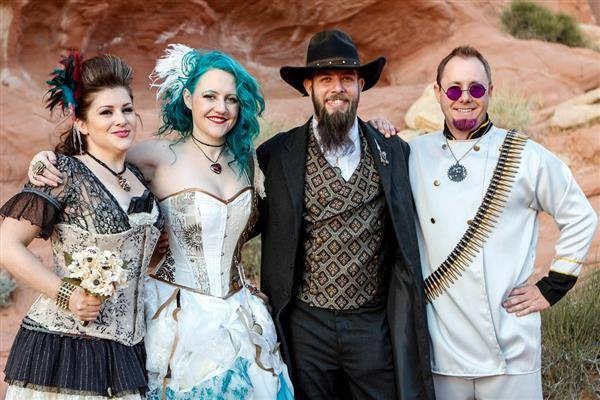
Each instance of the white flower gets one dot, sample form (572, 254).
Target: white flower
(99, 272)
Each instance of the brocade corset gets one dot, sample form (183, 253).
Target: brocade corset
(205, 237)
(122, 315)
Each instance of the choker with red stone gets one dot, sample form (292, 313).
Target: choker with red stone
(215, 165)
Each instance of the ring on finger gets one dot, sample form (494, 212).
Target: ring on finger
(38, 167)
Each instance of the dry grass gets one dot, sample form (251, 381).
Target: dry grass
(510, 109)
(571, 343)
(269, 129)
(251, 259)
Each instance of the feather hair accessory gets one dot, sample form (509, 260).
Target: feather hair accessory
(65, 84)
(171, 71)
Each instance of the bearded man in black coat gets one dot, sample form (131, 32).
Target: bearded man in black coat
(340, 260)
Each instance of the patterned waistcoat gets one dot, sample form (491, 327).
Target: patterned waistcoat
(343, 234)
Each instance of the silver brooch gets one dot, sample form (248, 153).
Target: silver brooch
(383, 157)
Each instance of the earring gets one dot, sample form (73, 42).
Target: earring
(77, 143)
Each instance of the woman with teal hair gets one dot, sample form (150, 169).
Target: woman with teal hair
(209, 333)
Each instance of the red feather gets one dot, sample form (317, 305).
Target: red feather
(77, 61)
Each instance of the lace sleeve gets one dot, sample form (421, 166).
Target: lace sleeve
(41, 206)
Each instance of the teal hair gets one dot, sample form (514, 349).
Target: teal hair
(176, 116)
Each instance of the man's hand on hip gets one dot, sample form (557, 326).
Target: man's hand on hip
(525, 299)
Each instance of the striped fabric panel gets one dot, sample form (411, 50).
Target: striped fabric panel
(42, 359)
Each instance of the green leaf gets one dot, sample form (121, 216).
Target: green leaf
(68, 258)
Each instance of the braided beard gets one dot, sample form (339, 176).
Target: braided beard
(334, 128)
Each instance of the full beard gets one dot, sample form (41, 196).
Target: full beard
(334, 127)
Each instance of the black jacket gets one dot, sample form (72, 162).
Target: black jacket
(282, 160)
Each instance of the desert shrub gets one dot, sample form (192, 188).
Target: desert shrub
(571, 345)
(7, 285)
(510, 109)
(269, 129)
(251, 259)
(526, 20)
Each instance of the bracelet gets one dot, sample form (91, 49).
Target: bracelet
(64, 294)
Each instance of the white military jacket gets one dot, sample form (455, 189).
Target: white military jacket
(472, 334)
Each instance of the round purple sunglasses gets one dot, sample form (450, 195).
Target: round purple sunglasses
(476, 91)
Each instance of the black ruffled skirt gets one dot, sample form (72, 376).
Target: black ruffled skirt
(54, 362)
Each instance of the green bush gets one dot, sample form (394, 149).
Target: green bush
(526, 20)
(571, 344)
(510, 109)
(7, 285)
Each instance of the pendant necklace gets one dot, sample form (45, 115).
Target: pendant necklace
(122, 181)
(457, 172)
(215, 165)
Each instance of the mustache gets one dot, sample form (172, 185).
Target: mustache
(334, 97)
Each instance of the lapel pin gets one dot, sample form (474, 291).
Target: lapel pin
(383, 158)
(382, 155)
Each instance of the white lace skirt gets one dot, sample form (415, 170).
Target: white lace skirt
(210, 347)
(19, 393)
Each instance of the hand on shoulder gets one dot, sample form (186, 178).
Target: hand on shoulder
(384, 126)
(43, 169)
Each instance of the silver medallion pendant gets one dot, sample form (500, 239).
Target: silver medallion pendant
(123, 183)
(457, 172)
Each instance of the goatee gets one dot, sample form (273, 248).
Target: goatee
(334, 127)
(464, 124)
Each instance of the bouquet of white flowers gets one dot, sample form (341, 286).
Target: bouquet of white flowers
(99, 272)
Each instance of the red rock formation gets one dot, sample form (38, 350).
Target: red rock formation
(266, 34)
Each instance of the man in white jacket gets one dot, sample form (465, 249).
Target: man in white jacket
(478, 191)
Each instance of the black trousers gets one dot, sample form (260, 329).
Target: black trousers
(340, 354)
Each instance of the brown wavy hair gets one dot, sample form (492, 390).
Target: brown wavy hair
(97, 73)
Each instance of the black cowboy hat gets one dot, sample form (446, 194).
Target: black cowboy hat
(332, 49)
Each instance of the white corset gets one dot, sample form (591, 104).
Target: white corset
(204, 231)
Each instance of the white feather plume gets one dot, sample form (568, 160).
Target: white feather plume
(168, 74)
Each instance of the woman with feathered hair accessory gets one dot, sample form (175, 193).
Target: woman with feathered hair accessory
(65, 87)
(210, 334)
(83, 337)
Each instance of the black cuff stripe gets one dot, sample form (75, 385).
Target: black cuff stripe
(555, 286)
